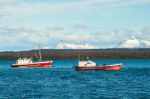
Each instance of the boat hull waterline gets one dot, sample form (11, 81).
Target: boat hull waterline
(106, 67)
(35, 64)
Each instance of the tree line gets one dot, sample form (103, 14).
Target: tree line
(74, 54)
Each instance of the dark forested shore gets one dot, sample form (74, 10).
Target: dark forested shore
(74, 53)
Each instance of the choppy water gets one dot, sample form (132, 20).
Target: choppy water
(63, 82)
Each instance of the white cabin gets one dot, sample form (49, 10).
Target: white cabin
(87, 63)
(23, 61)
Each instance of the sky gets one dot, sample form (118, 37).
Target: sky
(101, 23)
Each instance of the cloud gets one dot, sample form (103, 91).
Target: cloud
(3, 13)
(1, 16)
(131, 2)
(25, 37)
(2, 2)
(78, 24)
(22, 36)
(56, 27)
(24, 9)
(17, 35)
(18, 28)
(3, 9)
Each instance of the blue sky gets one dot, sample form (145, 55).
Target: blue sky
(102, 23)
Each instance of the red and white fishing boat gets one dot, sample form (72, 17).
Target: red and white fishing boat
(27, 62)
(90, 65)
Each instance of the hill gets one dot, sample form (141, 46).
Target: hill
(143, 53)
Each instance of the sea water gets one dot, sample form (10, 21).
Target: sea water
(63, 82)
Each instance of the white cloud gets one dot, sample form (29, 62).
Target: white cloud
(2, 2)
(131, 2)
(22, 36)
(27, 36)
(26, 9)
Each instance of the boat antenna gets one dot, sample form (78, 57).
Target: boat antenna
(36, 56)
(40, 57)
(79, 57)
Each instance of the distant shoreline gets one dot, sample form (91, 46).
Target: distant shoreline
(142, 53)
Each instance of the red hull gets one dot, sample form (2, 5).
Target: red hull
(35, 64)
(113, 67)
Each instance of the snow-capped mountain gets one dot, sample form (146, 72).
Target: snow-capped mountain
(63, 45)
(133, 42)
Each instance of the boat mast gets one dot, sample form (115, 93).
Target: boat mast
(18, 54)
(40, 57)
(87, 58)
(79, 57)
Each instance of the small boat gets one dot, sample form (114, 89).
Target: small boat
(27, 62)
(90, 65)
